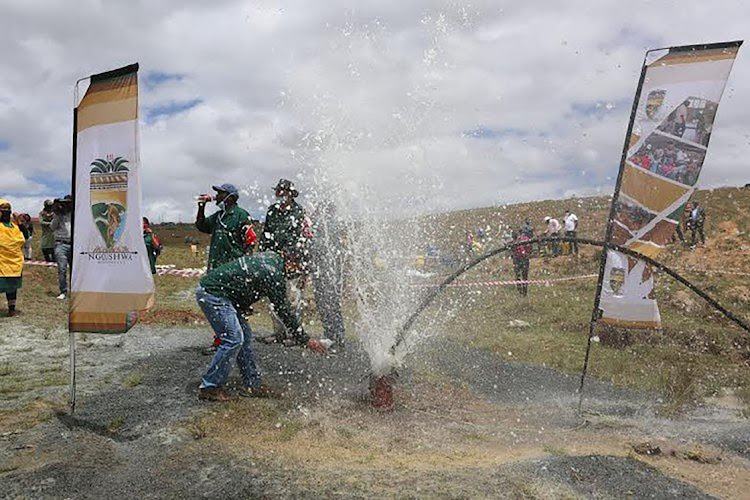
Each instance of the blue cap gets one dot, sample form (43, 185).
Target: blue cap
(227, 188)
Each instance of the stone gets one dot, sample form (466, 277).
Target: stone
(518, 323)
(646, 449)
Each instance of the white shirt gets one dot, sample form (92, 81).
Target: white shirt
(553, 227)
(570, 222)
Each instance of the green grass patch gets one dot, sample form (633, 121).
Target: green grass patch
(133, 379)
(7, 369)
(116, 423)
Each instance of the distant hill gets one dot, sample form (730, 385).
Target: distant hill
(727, 212)
(723, 205)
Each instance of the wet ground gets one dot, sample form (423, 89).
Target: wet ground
(466, 424)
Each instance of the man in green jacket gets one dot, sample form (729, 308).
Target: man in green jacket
(283, 233)
(224, 295)
(228, 229)
(282, 230)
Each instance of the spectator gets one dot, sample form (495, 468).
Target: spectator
(224, 294)
(571, 228)
(48, 237)
(683, 222)
(153, 245)
(469, 242)
(228, 229)
(63, 209)
(11, 257)
(695, 223)
(527, 228)
(521, 255)
(27, 229)
(553, 231)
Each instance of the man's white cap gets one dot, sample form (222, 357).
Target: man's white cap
(546, 219)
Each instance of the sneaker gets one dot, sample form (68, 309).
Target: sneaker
(61, 297)
(260, 392)
(209, 351)
(13, 312)
(214, 394)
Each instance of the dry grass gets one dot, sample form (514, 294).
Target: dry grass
(133, 379)
(438, 429)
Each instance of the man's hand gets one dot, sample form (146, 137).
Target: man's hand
(316, 346)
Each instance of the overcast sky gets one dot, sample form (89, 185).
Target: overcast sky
(469, 103)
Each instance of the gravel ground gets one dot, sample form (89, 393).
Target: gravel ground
(608, 477)
(134, 440)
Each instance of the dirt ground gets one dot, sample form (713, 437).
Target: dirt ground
(467, 424)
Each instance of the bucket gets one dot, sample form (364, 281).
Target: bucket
(381, 392)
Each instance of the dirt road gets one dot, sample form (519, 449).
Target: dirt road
(467, 424)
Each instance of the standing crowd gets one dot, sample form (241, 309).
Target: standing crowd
(16, 235)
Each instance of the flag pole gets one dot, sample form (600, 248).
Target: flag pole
(71, 333)
(596, 312)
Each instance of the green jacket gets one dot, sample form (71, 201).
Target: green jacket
(227, 229)
(48, 236)
(282, 231)
(246, 280)
(148, 238)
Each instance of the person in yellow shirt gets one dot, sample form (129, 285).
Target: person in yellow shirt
(11, 256)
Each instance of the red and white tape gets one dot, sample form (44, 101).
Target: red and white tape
(183, 273)
(161, 271)
(39, 263)
(195, 272)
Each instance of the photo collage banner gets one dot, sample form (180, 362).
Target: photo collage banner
(671, 129)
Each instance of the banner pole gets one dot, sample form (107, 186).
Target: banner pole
(72, 395)
(71, 334)
(596, 312)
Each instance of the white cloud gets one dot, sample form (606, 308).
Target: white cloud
(15, 182)
(380, 93)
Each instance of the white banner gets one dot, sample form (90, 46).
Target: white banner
(111, 278)
(675, 111)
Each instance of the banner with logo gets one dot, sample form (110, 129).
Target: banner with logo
(111, 279)
(673, 118)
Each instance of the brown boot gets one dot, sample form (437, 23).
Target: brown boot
(214, 394)
(260, 392)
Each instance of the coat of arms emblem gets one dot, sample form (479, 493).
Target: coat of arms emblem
(109, 195)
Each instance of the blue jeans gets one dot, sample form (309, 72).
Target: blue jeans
(63, 256)
(236, 338)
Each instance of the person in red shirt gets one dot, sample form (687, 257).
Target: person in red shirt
(521, 259)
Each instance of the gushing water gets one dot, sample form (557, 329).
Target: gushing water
(360, 133)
